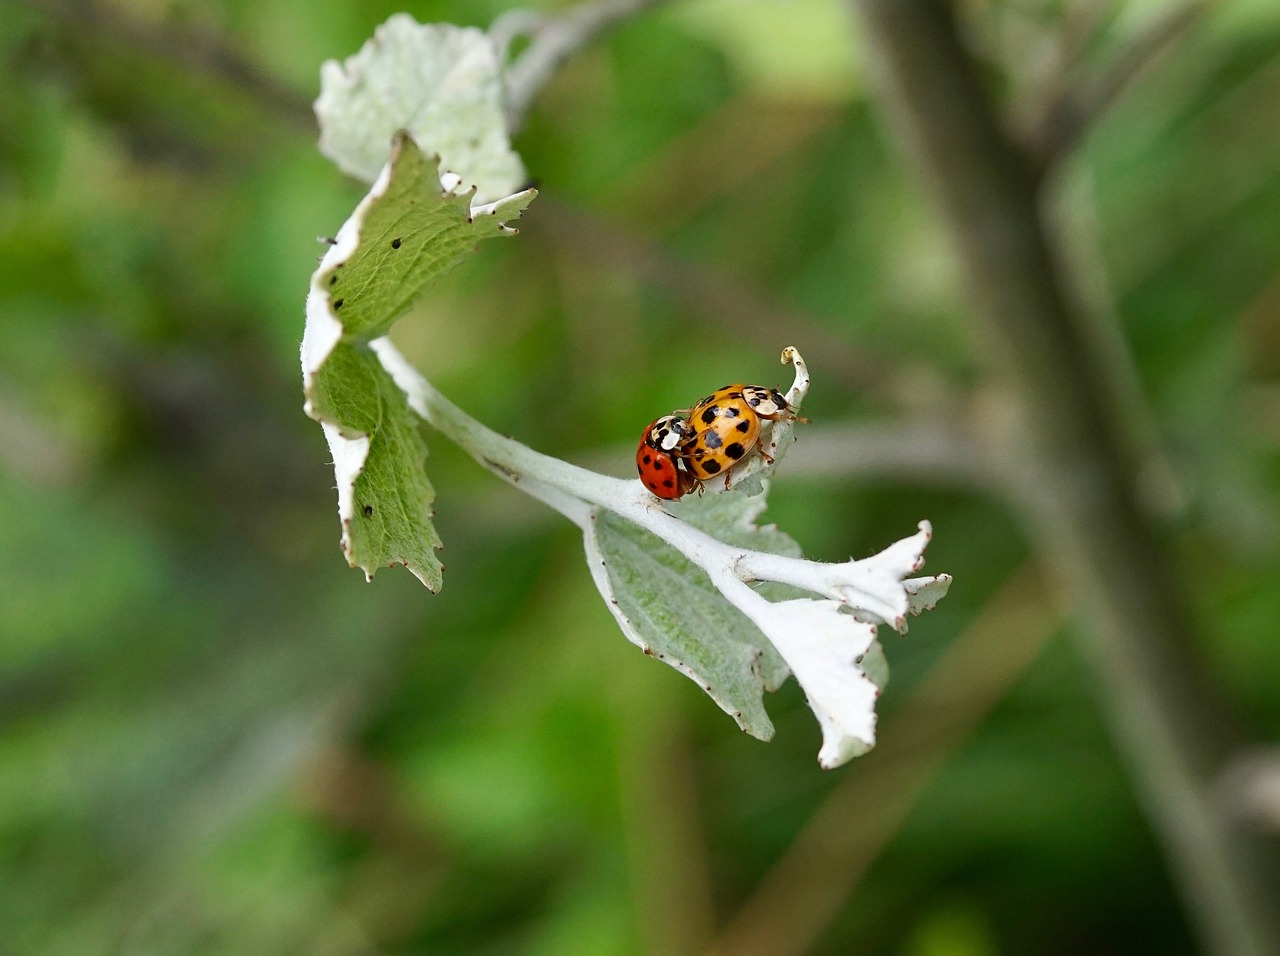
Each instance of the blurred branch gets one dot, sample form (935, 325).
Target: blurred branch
(715, 160)
(798, 898)
(937, 454)
(185, 49)
(663, 834)
(32, 450)
(1082, 504)
(1084, 96)
(1251, 787)
(725, 300)
(552, 41)
(941, 455)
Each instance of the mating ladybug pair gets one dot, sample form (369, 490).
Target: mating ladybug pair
(678, 452)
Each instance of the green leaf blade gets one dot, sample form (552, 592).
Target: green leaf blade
(411, 233)
(668, 606)
(403, 236)
(385, 502)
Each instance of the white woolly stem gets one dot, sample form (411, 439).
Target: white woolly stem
(575, 492)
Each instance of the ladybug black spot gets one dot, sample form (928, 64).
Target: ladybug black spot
(713, 439)
(709, 416)
(732, 412)
(668, 483)
(711, 467)
(735, 451)
(735, 394)
(744, 427)
(754, 400)
(648, 459)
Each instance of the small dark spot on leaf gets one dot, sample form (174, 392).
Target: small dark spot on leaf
(337, 303)
(395, 243)
(368, 511)
(333, 278)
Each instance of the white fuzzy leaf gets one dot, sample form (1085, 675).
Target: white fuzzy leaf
(441, 83)
(823, 644)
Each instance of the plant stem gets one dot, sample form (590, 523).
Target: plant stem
(1082, 504)
(554, 41)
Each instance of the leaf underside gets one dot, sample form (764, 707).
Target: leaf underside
(670, 608)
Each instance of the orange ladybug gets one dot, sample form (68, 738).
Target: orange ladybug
(726, 426)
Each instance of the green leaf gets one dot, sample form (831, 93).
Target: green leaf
(403, 236)
(411, 233)
(387, 520)
(669, 608)
(441, 83)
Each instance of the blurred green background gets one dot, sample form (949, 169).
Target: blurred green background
(216, 738)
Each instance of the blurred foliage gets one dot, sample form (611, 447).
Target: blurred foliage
(215, 738)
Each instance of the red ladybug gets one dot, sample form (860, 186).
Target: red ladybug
(659, 459)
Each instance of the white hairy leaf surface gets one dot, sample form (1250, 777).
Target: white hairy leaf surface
(439, 82)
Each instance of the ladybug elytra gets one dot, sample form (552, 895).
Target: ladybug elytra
(659, 457)
(726, 427)
(678, 453)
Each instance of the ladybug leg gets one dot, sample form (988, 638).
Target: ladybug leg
(764, 454)
(783, 416)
